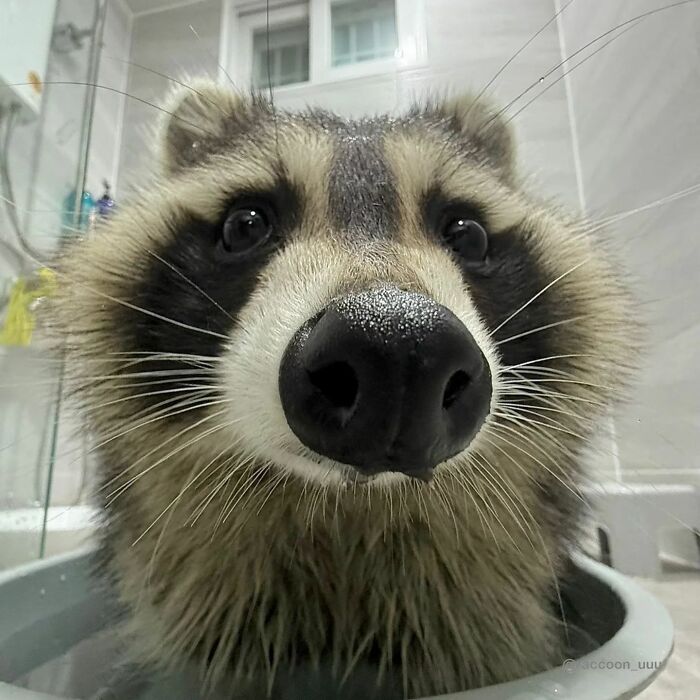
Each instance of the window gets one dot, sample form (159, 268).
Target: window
(363, 30)
(286, 52)
(251, 58)
(318, 42)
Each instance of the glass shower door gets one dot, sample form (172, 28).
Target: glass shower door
(44, 164)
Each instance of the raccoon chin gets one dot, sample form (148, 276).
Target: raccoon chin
(314, 468)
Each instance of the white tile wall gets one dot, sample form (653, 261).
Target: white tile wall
(163, 42)
(637, 107)
(108, 117)
(470, 41)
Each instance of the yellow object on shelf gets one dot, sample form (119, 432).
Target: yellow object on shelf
(19, 319)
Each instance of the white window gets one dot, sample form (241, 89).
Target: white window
(255, 59)
(316, 42)
(363, 30)
(282, 57)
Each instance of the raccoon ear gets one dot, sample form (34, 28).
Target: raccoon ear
(198, 118)
(486, 130)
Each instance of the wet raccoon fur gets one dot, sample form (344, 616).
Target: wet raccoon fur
(235, 546)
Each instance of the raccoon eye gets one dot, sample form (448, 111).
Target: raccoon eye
(246, 228)
(467, 238)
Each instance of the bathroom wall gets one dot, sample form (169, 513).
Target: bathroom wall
(61, 136)
(471, 41)
(110, 103)
(162, 41)
(635, 108)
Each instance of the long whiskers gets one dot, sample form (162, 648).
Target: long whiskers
(192, 284)
(545, 327)
(537, 295)
(498, 73)
(113, 495)
(107, 88)
(583, 48)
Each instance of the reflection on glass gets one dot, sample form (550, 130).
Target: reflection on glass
(363, 30)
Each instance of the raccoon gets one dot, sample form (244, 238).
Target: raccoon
(341, 375)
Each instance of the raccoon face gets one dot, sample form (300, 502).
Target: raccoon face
(373, 298)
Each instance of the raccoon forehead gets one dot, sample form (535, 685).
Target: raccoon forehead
(430, 164)
(364, 177)
(384, 171)
(252, 163)
(364, 170)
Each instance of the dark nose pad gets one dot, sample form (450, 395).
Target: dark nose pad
(385, 380)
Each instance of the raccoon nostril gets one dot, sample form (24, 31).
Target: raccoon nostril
(455, 386)
(337, 382)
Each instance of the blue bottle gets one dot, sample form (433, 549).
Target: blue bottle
(70, 205)
(105, 204)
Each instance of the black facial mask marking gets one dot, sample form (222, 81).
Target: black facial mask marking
(192, 284)
(507, 278)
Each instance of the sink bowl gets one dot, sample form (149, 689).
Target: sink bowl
(51, 607)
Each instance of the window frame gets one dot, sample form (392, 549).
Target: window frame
(240, 22)
(241, 18)
(276, 53)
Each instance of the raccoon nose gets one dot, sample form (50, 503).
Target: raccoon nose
(385, 380)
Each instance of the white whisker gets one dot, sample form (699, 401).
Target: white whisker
(540, 328)
(537, 295)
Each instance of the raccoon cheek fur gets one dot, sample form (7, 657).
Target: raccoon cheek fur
(341, 374)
